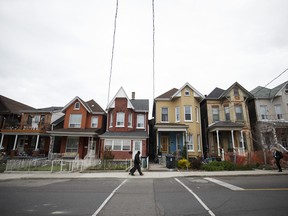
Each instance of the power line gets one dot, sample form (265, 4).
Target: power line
(153, 15)
(113, 46)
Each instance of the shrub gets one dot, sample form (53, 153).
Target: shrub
(218, 166)
(183, 163)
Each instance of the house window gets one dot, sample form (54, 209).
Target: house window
(236, 91)
(187, 92)
(94, 122)
(239, 112)
(278, 111)
(75, 121)
(164, 114)
(263, 112)
(117, 145)
(215, 113)
(77, 106)
(140, 121)
(188, 113)
(72, 144)
(120, 119)
(197, 114)
(111, 120)
(130, 120)
(227, 113)
(199, 143)
(177, 114)
(190, 144)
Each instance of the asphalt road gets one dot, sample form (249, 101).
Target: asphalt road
(258, 195)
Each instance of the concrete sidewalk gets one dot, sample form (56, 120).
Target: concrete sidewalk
(123, 175)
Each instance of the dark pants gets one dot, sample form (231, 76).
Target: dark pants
(278, 164)
(136, 166)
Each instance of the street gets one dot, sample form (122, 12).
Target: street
(245, 195)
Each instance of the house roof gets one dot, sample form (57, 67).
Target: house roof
(8, 105)
(130, 134)
(174, 92)
(266, 93)
(135, 104)
(91, 106)
(218, 93)
(75, 132)
(225, 125)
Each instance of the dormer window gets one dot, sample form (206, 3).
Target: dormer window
(187, 92)
(236, 91)
(77, 106)
(120, 119)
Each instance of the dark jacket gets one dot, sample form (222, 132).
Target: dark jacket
(137, 159)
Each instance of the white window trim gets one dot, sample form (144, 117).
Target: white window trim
(197, 114)
(190, 143)
(141, 127)
(122, 124)
(75, 106)
(94, 117)
(167, 114)
(111, 120)
(122, 142)
(75, 124)
(177, 109)
(199, 142)
(130, 120)
(190, 113)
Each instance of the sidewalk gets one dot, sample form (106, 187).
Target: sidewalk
(122, 174)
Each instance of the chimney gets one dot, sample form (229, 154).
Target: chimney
(133, 95)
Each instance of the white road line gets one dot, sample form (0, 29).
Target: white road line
(195, 195)
(224, 184)
(108, 198)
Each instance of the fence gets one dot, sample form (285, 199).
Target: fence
(62, 165)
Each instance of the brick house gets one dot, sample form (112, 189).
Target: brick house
(82, 122)
(127, 126)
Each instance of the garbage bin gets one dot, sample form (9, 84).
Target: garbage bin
(144, 162)
(170, 161)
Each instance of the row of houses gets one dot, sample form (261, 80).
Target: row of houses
(184, 123)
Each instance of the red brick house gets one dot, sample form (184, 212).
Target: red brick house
(83, 123)
(127, 126)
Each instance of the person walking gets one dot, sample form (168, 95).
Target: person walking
(278, 156)
(137, 163)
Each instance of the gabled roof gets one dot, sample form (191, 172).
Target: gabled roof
(218, 93)
(140, 105)
(173, 93)
(266, 93)
(91, 106)
(120, 94)
(8, 105)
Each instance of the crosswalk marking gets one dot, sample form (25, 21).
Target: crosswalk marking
(224, 184)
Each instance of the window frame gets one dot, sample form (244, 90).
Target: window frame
(238, 113)
(263, 112)
(120, 144)
(76, 124)
(77, 106)
(186, 114)
(190, 143)
(177, 114)
(94, 124)
(214, 114)
(120, 119)
(140, 121)
(227, 114)
(278, 111)
(163, 115)
(71, 143)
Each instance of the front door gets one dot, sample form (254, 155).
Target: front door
(137, 146)
(91, 148)
(164, 144)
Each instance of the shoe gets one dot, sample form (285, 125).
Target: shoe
(142, 174)
(280, 171)
(132, 174)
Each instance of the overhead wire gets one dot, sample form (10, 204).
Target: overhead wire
(112, 54)
(153, 49)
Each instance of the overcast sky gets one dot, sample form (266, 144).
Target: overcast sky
(54, 50)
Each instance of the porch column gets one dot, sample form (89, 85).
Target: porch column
(242, 139)
(233, 142)
(218, 145)
(37, 142)
(51, 146)
(15, 142)
(157, 143)
(1, 142)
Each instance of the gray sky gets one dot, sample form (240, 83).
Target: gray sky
(54, 50)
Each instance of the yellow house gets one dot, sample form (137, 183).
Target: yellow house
(225, 122)
(177, 122)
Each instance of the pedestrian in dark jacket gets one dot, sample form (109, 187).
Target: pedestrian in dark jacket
(137, 163)
(278, 156)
